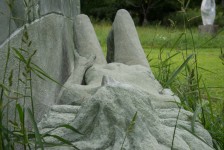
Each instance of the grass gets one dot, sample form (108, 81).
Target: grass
(193, 63)
(153, 38)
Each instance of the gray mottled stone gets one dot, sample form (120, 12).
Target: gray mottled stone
(52, 37)
(4, 22)
(135, 75)
(110, 98)
(125, 74)
(18, 12)
(37, 9)
(56, 116)
(108, 115)
(76, 7)
(127, 47)
(68, 8)
(97, 98)
(87, 43)
(208, 11)
(72, 91)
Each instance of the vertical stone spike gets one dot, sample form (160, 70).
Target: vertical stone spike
(128, 49)
(86, 40)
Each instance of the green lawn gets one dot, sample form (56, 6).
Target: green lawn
(153, 38)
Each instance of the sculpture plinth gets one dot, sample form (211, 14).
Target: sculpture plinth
(207, 29)
(208, 17)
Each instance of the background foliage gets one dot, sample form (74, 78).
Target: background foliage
(149, 11)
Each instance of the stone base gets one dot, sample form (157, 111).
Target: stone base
(208, 29)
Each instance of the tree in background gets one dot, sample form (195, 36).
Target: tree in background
(151, 9)
(145, 11)
(142, 8)
(101, 9)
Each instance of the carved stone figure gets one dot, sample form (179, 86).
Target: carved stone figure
(99, 98)
(208, 12)
(102, 108)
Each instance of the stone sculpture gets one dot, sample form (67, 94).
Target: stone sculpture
(102, 104)
(35, 10)
(208, 11)
(100, 98)
(50, 33)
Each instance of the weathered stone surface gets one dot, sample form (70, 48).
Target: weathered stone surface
(135, 75)
(56, 116)
(37, 9)
(105, 118)
(208, 12)
(127, 47)
(4, 22)
(110, 98)
(73, 92)
(68, 8)
(52, 37)
(100, 99)
(19, 12)
(86, 40)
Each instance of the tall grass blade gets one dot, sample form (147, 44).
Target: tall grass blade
(178, 70)
(63, 126)
(176, 42)
(29, 59)
(216, 145)
(210, 102)
(36, 130)
(21, 113)
(175, 128)
(22, 124)
(206, 70)
(130, 128)
(170, 57)
(19, 55)
(39, 71)
(195, 135)
(62, 140)
(4, 87)
(10, 78)
(196, 113)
